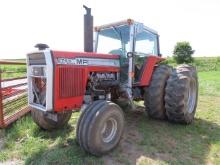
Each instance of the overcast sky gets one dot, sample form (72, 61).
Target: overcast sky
(59, 23)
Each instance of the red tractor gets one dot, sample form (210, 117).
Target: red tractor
(123, 62)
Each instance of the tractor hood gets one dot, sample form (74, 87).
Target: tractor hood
(57, 79)
(85, 59)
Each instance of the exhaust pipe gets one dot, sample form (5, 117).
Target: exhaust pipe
(88, 30)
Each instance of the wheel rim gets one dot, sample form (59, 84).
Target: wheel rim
(109, 130)
(191, 96)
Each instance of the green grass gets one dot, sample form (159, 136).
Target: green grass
(160, 142)
(198, 143)
(207, 63)
(12, 71)
(209, 83)
(27, 142)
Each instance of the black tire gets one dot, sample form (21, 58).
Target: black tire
(182, 94)
(81, 123)
(100, 118)
(78, 124)
(40, 118)
(155, 92)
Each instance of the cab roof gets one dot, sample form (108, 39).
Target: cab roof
(121, 23)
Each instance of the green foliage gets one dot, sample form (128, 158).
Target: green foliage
(13, 71)
(201, 63)
(207, 63)
(183, 52)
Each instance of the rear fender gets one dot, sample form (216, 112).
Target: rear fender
(150, 63)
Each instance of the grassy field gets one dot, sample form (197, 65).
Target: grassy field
(202, 64)
(145, 141)
(12, 71)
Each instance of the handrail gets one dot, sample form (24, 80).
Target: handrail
(12, 62)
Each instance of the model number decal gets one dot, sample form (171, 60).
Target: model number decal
(72, 61)
(88, 61)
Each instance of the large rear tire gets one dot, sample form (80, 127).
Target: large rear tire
(154, 93)
(41, 119)
(182, 94)
(100, 128)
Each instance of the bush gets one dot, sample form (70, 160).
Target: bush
(183, 53)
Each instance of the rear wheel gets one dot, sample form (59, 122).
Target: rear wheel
(100, 128)
(41, 119)
(154, 93)
(181, 94)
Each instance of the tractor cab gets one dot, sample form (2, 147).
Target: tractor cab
(124, 38)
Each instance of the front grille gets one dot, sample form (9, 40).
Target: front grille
(39, 91)
(71, 82)
(36, 59)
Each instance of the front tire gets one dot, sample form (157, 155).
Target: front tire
(182, 94)
(41, 119)
(101, 127)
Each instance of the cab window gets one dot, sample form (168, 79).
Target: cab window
(146, 43)
(114, 39)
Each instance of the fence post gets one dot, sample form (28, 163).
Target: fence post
(1, 102)
(2, 130)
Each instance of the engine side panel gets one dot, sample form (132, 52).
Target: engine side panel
(72, 71)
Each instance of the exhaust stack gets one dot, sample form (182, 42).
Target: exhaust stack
(88, 30)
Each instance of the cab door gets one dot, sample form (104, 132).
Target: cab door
(146, 45)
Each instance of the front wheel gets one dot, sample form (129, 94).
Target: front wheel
(182, 94)
(41, 119)
(100, 127)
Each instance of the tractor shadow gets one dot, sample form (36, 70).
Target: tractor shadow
(148, 141)
(145, 141)
(61, 133)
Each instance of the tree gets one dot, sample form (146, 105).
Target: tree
(183, 52)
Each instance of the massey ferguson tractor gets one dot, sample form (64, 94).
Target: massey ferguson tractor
(122, 62)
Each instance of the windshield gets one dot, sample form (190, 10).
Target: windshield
(116, 40)
(113, 40)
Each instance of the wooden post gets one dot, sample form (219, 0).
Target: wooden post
(1, 102)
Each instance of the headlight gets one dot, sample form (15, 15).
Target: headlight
(39, 71)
